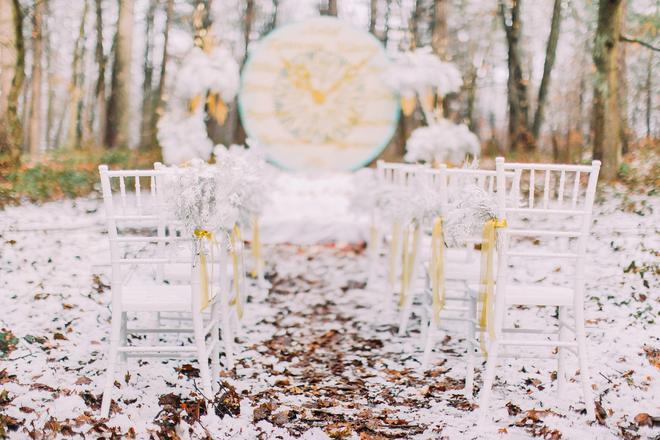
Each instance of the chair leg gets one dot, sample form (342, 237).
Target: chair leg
(585, 377)
(374, 249)
(228, 339)
(215, 340)
(561, 354)
(202, 358)
(489, 378)
(404, 316)
(469, 373)
(115, 337)
(431, 332)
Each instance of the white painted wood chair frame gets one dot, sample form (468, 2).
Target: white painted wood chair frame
(568, 199)
(387, 173)
(230, 324)
(138, 297)
(460, 303)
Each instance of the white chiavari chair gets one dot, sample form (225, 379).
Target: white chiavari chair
(387, 173)
(461, 267)
(143, 251)
(229, 302)
(548, 211)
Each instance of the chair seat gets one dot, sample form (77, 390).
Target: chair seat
(534, 295)
(156, 298)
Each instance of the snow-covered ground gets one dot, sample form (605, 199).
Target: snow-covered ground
(319, 356)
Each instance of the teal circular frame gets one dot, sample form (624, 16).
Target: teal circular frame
(374, 152)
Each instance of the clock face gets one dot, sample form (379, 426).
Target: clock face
(313, 95)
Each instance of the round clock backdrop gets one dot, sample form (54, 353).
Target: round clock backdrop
(313, 95)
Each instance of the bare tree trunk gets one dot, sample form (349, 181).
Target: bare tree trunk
(439, 34)
(550, 52)
(146, 136)
(471, 86)
(273, 19)
(119, 115)
(331, 9)
(159, 104)
(7, 52)
(11, 134)
(248, 19)
(52, 81)
(388, 14)
(414, 24)
(76, 88)
(516, 85)
(99, 56)
(649, 95)
(34, 137)
(622, 90)
(373, 16)
(606, 124)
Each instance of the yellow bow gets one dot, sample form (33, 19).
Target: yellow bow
(437, 269)
(203, 234)
(394, 250)
(256, 248)
(408, 261)
(487, 282)
(235, 237)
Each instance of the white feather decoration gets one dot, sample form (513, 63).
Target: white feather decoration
(420, 71)
(442, 142)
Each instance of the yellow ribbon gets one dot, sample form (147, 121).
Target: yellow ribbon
(437, 269)
(203, 234)
(236, 300)
(408, 104)
(487, 282)
(256, 248)
(394, 250)
(408, 261)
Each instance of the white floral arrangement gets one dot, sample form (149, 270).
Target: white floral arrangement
(421, 71)
(182, 129)
(469, 208)
(200, 197)
(443, 141)
(249, 177)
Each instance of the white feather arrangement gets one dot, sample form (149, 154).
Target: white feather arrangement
(470, 207)
(182, 130)
(442, 142)
(197, 197)
(420, 71)
(250, 179)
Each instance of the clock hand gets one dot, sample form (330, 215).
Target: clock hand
(349, 73)
(301, 79)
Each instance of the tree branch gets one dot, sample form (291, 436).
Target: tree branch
(640, 42)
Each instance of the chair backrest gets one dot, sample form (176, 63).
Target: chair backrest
(449, 181)
(398, 173)
(548, 209)
(135, 212)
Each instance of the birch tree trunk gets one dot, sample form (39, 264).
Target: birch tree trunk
(373, 16)
(119, 114)
(159, 104)
(34, 134)
(551, 50)
(146, 136)
(76, 87)
(606, 123)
